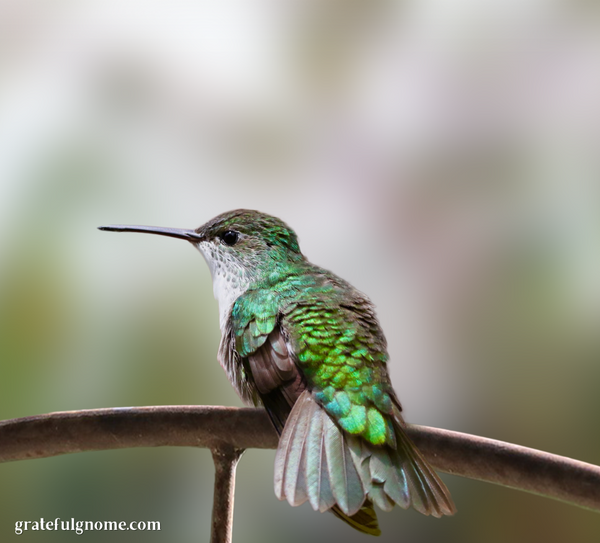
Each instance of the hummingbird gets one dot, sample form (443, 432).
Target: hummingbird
(307, 346)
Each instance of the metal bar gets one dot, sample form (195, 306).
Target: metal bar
(226, 459)
(464, 455)
(65, 432)
(514, 466)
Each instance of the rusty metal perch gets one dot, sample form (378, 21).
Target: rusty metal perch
(228, 431)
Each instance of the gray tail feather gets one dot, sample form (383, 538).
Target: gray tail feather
(316, 461)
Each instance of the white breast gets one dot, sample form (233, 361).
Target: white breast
(230, 279)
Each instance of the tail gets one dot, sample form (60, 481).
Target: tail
(335, 471)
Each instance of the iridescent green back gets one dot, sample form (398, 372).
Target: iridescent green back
(340, 348)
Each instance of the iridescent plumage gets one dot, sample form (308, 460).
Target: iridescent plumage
(307, 346)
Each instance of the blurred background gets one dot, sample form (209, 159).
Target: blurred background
(441, 155)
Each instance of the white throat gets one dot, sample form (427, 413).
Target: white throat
(230, 279)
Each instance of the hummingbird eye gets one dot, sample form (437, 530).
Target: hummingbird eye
(230, 237)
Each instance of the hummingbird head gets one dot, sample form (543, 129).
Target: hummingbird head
(250, 239)
(241, 247)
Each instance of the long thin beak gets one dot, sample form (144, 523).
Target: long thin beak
(181, 233)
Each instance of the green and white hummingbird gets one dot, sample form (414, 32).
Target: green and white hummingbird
(307, 346)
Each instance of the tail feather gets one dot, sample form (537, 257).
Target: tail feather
(318, 462)
(407, 478)
(319, 492)
(286, 464)
(364, 521)
(345, 480)
(438, 501)
(318, 486)
(380, 498)
(295, 480)
(313, 462)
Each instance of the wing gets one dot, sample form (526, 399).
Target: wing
(238, 375)
(278, 380)
(255, 355)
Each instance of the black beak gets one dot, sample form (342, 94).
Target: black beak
(181, 233)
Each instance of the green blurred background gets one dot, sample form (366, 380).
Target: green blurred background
(443, 156)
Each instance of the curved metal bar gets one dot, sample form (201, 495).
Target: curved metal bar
(460, 454)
